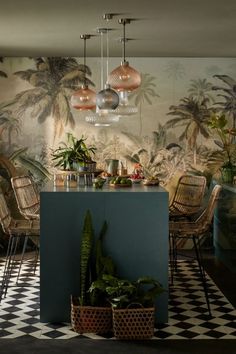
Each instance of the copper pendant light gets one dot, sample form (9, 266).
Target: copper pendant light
(124, 77)
(85, 98)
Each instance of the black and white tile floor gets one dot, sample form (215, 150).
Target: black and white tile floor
(188, 318)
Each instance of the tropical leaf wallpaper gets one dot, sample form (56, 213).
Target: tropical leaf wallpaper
(169, 133)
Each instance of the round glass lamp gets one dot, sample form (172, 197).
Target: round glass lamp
(107, 98)
(102, 118)
(125, 108)
(84, 99)
(124, 78)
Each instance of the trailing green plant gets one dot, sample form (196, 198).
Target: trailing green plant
(75, 151)
(123, 293)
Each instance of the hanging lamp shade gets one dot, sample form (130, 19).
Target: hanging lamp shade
(102, 118)
(125, 108)
(84, 98)
(124, 78)
(107, 98)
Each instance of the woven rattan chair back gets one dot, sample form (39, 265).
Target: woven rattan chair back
(195, 231)
(26, 196)
(188, 196)
(15, 229)
(5, 216)
(202, 223)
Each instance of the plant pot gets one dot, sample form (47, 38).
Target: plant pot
(227, 174)
(91, 166)
(90, 319)
(133, 323)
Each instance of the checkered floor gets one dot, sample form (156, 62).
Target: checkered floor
(188, 319)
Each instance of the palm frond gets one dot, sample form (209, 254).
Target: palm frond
(2, 74)
(35, 167)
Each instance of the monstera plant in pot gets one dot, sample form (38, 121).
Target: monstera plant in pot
(223, 160)
(74, 155)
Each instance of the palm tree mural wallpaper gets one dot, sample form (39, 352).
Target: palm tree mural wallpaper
(168, 134)
(144, 94)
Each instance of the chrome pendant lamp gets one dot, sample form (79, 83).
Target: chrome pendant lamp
(104, 117)
(124, 77)
(107, 98)
(85, 98)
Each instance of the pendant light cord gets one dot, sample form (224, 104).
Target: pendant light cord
(84, 61)
(124, 54)
(107, 54)
(102, 63)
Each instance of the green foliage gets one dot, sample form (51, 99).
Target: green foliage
(219, 125)
(93, 265)
(122, 293)
(85, 256)
(75, 151)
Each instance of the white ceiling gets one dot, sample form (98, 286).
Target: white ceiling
(165, 28)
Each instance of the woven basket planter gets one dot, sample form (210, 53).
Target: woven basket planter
(133, 323)
(90, 319)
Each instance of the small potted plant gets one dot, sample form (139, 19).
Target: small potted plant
(225, 158)
(132, 304)
(74, 155)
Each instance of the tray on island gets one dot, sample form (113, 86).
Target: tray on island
(120, 185)
(151, 183)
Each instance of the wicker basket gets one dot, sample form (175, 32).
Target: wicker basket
(133, 323)
(90, 319)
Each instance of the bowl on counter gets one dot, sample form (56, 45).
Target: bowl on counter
(136, 180)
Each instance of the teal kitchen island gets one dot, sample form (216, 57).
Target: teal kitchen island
(137, 240)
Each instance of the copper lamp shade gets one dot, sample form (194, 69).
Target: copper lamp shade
(84, 99)
(124, 78)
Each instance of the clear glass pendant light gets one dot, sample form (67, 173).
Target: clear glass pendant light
(84, 99)
(124, 77)
(104, 117)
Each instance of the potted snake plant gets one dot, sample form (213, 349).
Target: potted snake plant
(90, 312)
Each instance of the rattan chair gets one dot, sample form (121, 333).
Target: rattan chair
(14, 229)
(194, 230)
(27, 196)
(188, 197)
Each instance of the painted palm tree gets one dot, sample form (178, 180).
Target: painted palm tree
(175, 70)
(201, 89)
(2, 73)
(144, 94)
(9, 125)
(228, 93)
(53, 81)
(193, 116)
